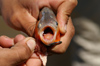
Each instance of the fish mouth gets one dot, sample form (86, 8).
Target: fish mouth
(48, 35)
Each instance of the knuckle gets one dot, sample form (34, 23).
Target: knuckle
(76, 2)
(14, 17)
(30, 29)
(73, 2)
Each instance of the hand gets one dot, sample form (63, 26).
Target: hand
(22, 53)
(23, 14)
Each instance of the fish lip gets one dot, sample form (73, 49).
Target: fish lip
(46, 42)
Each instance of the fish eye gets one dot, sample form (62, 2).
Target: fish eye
(39, 25)
(56, 23)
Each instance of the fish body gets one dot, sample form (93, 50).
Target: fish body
(47, 30)
(46, 33)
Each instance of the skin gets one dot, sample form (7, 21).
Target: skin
(23, 14)
(20, 54)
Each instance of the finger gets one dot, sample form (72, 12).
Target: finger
(31, 6)
(34, 61)
(66, 39)
(28, 23)
(18, 38)
(19, 53)
(63, 13)
(6, 42)
(24, 21)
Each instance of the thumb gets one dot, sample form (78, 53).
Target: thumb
(63, 13)
(19, 53)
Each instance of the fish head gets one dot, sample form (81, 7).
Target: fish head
(47, 28)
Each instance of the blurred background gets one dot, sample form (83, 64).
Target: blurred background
(84, 49)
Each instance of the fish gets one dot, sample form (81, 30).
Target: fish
(46, 33)
(47, 30)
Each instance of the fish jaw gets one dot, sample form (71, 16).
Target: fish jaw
(48, 34)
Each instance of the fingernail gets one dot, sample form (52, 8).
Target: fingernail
(31, 44)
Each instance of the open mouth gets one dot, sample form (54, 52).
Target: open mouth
(48, 33)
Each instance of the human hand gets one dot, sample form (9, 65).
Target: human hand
(21, 54)
(23, 14)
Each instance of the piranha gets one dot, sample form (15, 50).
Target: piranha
(47, 32)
